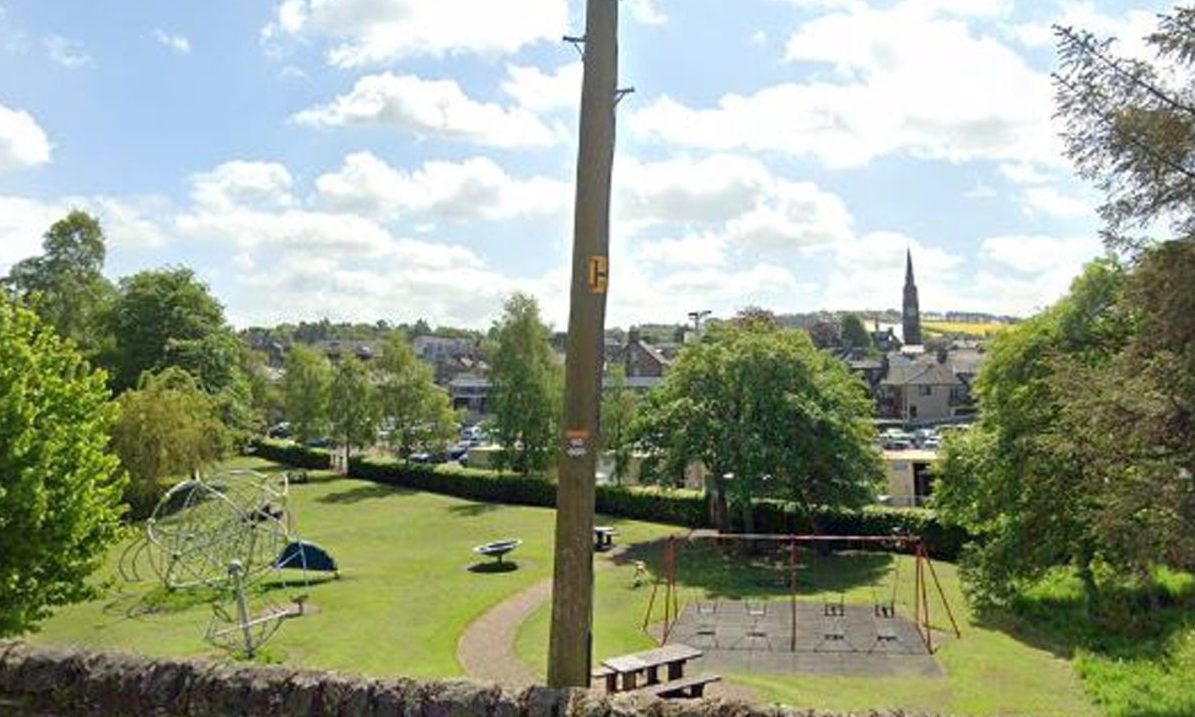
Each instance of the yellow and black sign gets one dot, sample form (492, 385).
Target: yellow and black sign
(599, 274)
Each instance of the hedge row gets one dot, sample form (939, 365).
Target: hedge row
(675, 507)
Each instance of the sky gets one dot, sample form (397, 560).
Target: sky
(402, 159)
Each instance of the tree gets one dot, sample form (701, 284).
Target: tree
(168, 318)
(354, 409)
(1014, 480)
(418, 412)
(64, 285)
(619, 409)
(307, 388)
(854, 333)
(168, 427)
(525, 394)
(1129, 126)
(768, 415)
(60, 486)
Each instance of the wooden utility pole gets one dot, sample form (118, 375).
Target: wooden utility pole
(572, 586)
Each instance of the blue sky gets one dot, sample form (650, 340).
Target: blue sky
(397, 159)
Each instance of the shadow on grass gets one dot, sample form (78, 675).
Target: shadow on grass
(506, 566)
(362, 492)
(734, 571)
(1128, 647)
(472, 510)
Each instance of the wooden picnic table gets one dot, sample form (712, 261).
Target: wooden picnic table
(649, 662)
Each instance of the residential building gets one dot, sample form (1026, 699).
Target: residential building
(909, 476)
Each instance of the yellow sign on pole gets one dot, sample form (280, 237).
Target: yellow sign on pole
(599, 272)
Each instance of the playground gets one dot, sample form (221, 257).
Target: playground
(410, 600)
(823, 636)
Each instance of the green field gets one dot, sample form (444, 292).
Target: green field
(951, 328)
(407, 594)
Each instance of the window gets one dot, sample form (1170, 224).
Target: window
(925, 390)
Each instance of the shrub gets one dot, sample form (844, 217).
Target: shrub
(662, 505)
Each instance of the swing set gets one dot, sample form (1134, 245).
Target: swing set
(666, 594)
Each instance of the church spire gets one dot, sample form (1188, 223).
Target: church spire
(911, 313)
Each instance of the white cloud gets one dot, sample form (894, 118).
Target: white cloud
(473, 189)
(431, 108)
(1038, 254)
(694, 250)
(364, 32)
(684, 189)
(1049, 200)
(892, 94)
(127, 222)
(65, 52)
(754, 210)
(246, 183)
(797, 215)
(541, 92)
(177, 44)
(868, 272)
(1130, 27)
(22, 223)
(23, 143)
(1023, 173)
(646, 12)
(296, 231)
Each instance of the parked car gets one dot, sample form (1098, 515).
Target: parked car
(319, 443)
(280, 430)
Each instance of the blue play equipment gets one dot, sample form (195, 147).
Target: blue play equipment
(305, 555)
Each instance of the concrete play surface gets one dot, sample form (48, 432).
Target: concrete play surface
(748, 636)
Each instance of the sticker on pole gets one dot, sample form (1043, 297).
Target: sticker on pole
(599, 274)
(576, 443)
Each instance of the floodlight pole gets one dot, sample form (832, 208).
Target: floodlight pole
(572, 586)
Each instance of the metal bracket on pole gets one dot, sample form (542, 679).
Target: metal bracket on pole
(620, 93)
(577, 41)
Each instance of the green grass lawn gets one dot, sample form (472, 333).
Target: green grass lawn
(404, 598)
(987, 671)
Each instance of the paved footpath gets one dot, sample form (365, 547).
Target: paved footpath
(486, 650)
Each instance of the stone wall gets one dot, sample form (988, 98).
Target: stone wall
(57, 682)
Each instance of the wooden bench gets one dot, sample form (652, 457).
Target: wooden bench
(689, 687)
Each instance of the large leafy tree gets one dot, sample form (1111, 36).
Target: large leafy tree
(418, 412)
(761, 406)
(854, 333)
(64, 285)
(60, 487)
(1130, 126)
(354, 410)
(307, 387)
(619, 409)
(525, 395)
(167, 318)
(168, 427)
(1016, 479)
